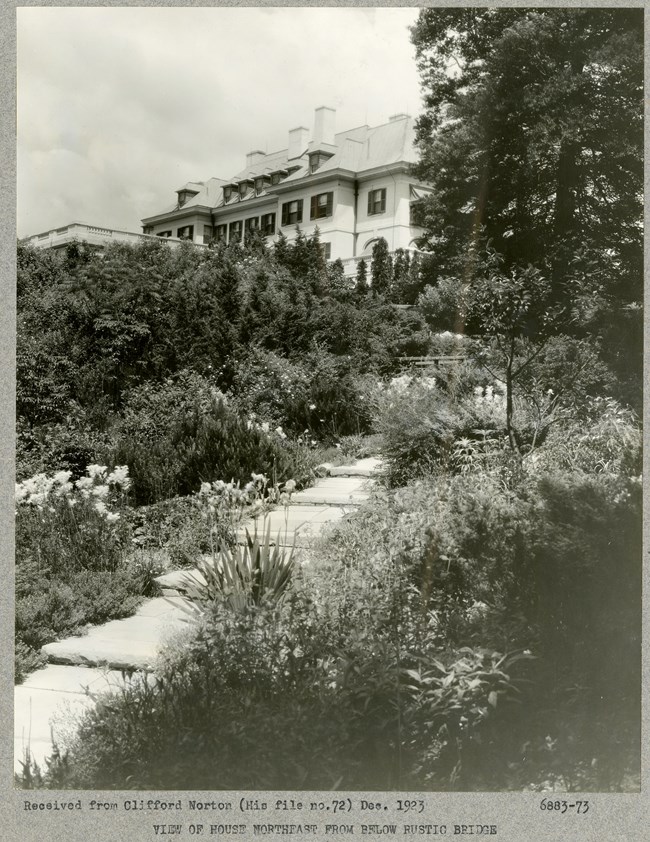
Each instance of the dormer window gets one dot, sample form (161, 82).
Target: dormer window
(316, 159)
(259, 185)
(278, 175)
(227, 193)
(185, 195)
(243, 189)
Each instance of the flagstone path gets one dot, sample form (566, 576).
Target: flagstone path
(80, 667)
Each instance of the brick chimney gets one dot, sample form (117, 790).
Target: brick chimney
(253, 157)
(298, 139)
(324, 120)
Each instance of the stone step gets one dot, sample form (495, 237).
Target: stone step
(370, 467)
(48, 703)
(334, 491)
(295, 519)
(129, 644)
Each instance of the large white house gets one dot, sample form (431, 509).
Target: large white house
(355, 186)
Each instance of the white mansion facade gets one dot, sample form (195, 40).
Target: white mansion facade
(355, 186)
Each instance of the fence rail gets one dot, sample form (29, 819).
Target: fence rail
(427, 362)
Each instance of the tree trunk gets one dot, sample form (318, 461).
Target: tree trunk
(509, 407)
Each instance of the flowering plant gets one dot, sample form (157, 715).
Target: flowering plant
(224, 505)
(66, 526)
(241, 572)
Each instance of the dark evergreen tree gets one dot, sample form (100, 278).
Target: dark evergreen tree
(361, 284)
(381, 268)
(281, 250)
(401, 264)
(532, 139)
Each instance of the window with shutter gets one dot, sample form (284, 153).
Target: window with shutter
(376, 201)
(268, 224)
(185, 233)
(292, 212)
(321, 205)
(234, 231)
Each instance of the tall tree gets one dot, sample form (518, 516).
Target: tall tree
(381, 268)
(532, 137)
(361, 283)
(533, 133)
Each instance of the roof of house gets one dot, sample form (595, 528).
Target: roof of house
(358, 149)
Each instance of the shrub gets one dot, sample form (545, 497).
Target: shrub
(443, 306)
(322, 396)
(422, 423)
(283, 707)
(170, 530)
(272, 389)
(47, 609)
(182, 433)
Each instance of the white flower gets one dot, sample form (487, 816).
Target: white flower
(290, 485)
(100, 491)
(111, 517)
(37, 499)
(100, 507)
(312, 406)
(96, 470)
(62, 477)
(265, 427)
(64, 489)
(20, 493)
(120, 476)
(205, 488)
(84, 483)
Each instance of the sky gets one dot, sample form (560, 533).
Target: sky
(120, 107)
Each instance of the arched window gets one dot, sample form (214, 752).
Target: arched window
(368, 247)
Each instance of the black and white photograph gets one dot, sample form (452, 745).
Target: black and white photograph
(328, 493)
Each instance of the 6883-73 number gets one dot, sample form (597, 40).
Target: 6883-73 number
(559, 805)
